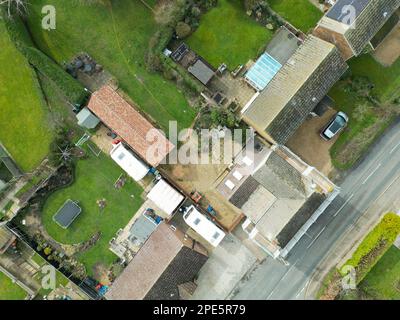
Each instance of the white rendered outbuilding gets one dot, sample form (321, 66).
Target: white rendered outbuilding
(134, 167)
(204, 227)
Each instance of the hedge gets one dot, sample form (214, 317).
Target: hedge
(71, 88)
(374, 245)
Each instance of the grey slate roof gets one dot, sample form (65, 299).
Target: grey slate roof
(243, 193)
(300, 218)
(280, 178)
(201, 71)
(369, 22)
(296, 90)
(184, 268)
(338, 13)
(371, 15)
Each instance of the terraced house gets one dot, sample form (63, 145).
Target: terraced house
(353, 25)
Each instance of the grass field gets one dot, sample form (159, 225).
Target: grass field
(227, 35)
(94, 180)
(383, 281)
(300, 13)
(117, 36)
(363, 130)
(10, 290)
(23, 112)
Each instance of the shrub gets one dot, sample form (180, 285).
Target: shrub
(183, 30)
(47, 251)
(374, 245)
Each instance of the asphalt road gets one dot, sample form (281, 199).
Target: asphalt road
(375, 182)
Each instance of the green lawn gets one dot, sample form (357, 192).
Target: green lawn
(23, 114)
(386, 79)
(227, 35)
(95, 178)
(117, 36)
(10, 290)
(383, 281)
(363, 130)
(300, 13)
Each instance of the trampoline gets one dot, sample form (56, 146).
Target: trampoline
(67, 214)
(262, 72)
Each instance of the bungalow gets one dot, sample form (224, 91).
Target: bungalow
(279, 194)
(297, 88)
(353, 25)
(139, 134)
(164, 268)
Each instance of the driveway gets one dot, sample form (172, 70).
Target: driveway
(227, 264)
(389, 50)
(309, 146)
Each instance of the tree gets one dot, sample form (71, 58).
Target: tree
(182, 30)
(18, 6)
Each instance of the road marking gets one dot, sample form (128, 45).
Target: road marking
(372, 173)
(395, 147)
(315, 239)
(344, 204)
(299, 293)
(283, 277)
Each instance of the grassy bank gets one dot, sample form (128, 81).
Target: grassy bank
(119, 43)
(23, 110)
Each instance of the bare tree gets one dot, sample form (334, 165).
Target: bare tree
(18, 5)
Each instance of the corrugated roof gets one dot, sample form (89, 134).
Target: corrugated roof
(116, 113)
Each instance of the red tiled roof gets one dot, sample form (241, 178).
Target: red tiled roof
(117, 114)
